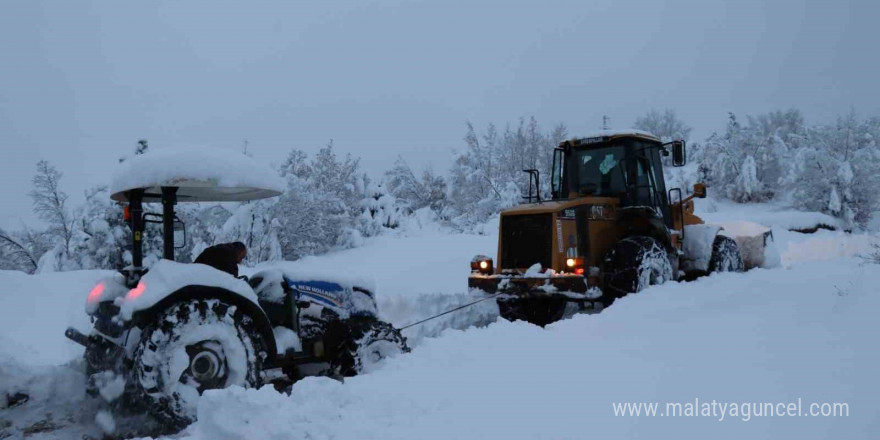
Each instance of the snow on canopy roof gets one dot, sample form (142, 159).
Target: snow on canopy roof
(619, 132)
(201, 175)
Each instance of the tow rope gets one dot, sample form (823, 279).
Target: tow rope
(449, 311)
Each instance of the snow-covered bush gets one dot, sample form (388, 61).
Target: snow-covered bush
(415, 192)
(322, 206)
(666, 125)
(379, 210)
(745, 163)
(101, 238)
(837, 171)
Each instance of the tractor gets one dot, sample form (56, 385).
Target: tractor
(164, 335)
(610, 228)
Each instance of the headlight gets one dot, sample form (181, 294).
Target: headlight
(575, 265)
(482, 264)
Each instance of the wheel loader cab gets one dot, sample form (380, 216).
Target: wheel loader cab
(627, 168)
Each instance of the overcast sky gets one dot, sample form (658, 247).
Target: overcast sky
(81, 81)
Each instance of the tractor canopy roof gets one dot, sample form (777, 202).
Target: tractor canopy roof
(200, 175)
(603, 136)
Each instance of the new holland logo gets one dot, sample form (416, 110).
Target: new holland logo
(317, 293)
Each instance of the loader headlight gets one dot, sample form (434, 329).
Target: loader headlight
(482, 264)
(575, 265)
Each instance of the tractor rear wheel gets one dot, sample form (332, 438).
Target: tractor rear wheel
(725, 256)
(191, 347)
(635, 263)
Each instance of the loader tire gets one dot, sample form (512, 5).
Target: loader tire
(725, 256)
(633, 264)
(191, 347)
(539, 311)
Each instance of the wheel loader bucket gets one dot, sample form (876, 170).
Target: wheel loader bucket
(755, 242)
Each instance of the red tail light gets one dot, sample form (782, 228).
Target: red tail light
(137, 291)
(95, 293)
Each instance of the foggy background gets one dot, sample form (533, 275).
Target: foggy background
(81, 82)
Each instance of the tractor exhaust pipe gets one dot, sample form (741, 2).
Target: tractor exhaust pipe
(76, 336)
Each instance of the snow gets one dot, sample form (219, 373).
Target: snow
(426, 261)
(344, 290)
(698, 241)
(766, 335)
(805, 330)
(286, 339)
(616, 132)
(776, 216)
(105, 420)
(204, 174)
(166, 277)
(38, 308)
(753, 242)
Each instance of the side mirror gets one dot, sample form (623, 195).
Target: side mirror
(700, 190)
(679, 157)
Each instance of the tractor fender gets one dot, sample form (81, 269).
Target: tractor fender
(142, 318)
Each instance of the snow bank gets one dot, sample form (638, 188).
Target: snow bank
(425, 262)
(698, 242)
(402, 310)
(36, 309)
(198, 167)
(762, 336)
(795, 248)
(767, 214)
(807, 331)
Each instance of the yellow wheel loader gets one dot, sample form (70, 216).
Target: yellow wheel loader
(610, 228)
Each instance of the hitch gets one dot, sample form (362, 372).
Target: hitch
(76, 336)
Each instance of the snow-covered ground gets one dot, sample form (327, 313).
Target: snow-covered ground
(804, 331)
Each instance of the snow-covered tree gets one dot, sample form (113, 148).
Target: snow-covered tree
(21, 251)
(254, 225)
(101, 239)
(50, 203)
(666, 125)
(381, 210)
(487, 175)
(837, 170)
(415, 192)
(745, 163)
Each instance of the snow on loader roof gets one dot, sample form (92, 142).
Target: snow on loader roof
(613, 133)
(201, 175)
